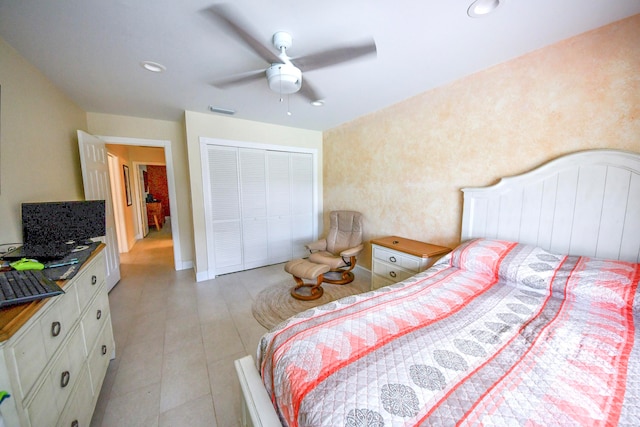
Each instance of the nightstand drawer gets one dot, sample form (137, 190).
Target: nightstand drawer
(391, 272)
(405, 261)
(394, 259)
(379, 281)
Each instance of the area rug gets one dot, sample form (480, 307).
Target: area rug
(275, 303)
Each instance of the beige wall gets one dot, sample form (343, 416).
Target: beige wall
(213, 126)
(134, 127)
(414, 157)
(39, 159)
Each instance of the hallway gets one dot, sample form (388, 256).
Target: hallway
(176, 340)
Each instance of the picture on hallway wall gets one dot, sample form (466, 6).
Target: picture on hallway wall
(127, 184)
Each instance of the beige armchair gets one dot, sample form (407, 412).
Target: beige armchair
(340, 248)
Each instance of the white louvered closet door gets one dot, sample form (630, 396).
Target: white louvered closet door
(278, 206)
(259, 206)
(301, 186)
(253, 188)
(224, 223)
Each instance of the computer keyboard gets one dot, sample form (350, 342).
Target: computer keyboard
(17, 287)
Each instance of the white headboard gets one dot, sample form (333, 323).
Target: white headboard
(585, 203)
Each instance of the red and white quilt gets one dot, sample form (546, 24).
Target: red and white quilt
(496, 333)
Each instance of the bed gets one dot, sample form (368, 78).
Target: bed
(532, 320)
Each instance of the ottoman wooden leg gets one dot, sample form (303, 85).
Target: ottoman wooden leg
(315, 290)
(302, 269)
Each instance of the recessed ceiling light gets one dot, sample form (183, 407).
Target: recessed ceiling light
(317, 103)
(480, 8)
(154, 67)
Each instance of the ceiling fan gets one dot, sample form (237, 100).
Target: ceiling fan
(284, 74)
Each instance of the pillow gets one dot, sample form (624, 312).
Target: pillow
(533, 269)
(480, 255)
(605, 283)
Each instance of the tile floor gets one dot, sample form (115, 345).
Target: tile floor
(176, 341)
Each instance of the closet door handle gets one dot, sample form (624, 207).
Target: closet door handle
(55, 329)
(98, 314)
(94, 279)
(104, 350)
(64, 379)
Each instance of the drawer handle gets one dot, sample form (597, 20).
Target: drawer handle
(392, 259)
(64, 379)
(75, 423)
(55, 329)
(392, 274)
(104, 349)
(94, 279)
(98, 314)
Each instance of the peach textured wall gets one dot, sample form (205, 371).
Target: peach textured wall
(414, 157)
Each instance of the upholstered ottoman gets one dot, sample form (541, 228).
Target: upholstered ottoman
(302, 269)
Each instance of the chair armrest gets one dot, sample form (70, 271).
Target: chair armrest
(320, 245)
(352, 251)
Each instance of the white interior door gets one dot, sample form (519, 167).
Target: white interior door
(223, 211)
(253, 204)
(95, 178)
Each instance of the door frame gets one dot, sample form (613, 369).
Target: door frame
(171, 184)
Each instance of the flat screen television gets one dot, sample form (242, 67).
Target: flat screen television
(62, 222)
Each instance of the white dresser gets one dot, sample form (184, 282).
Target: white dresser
(394, 259)
(54, 353)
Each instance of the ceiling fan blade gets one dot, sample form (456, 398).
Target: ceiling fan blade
(223, 13)
(237, 79)
(308, 91)
(331, 57)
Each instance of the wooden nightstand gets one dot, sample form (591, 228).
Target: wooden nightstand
(394, 259)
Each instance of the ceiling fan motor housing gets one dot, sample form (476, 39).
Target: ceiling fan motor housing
(284, 78)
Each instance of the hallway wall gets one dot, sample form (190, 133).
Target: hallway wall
(158, 188)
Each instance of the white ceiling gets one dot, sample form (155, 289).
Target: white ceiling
(92, 50)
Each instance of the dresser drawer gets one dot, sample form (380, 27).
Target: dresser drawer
(79, 410)
(43, 410)
(39, 343)
(393, 257)
(95, 317)
(57, 322)
(100, 355)
(88, 281)
(50, 399)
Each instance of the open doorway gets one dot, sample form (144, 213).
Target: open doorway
(154, 196)
(131, 223)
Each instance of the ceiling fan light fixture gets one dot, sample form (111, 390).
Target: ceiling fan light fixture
(480, 8)
(284, 78)
(154, 67)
